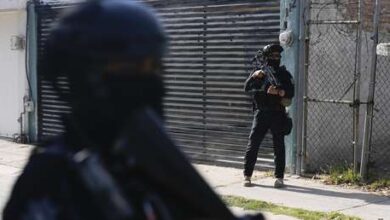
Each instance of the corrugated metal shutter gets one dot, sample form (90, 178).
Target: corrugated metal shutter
(211, 45)
(50, 108)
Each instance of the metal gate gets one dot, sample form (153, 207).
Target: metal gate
(346, 100)
(50, 108)
(333, 77)
(211, 46)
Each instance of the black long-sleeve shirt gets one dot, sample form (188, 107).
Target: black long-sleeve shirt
(259, 87)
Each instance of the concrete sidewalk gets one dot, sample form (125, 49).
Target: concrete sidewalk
(299, 193)
(13, 157)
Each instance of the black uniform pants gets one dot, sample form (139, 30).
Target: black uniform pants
(262, 122)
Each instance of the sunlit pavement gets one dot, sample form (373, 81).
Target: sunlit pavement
(298, 193)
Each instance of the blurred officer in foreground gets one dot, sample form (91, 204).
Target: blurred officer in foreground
(115, 160)
(272, 89)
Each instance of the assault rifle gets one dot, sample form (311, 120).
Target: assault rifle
(259, 63)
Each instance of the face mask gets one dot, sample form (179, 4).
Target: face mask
(101, 107)
(273, 63)
(125, 95)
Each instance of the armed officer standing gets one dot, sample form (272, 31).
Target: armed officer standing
(115, 160)
(272, 89)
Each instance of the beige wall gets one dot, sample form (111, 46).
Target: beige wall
(12, 72)
(12, 5)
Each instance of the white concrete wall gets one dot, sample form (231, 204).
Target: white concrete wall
(11, 5)
(12, 68)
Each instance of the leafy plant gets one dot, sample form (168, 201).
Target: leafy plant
(343, 175)
(379, 184)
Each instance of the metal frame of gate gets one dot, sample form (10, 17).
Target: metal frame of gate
(211, 46)
(332, 93)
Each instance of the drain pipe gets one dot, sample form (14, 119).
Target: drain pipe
(30, 103)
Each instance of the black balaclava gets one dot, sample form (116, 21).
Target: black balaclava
(102, 105)
(274, 63)
(268, 50)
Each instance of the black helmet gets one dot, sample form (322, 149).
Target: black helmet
(110, 53)
(268, 49)
(88, 41)
(101, 31)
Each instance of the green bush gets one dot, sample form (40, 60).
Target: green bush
(343, 175)
(379, 184)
